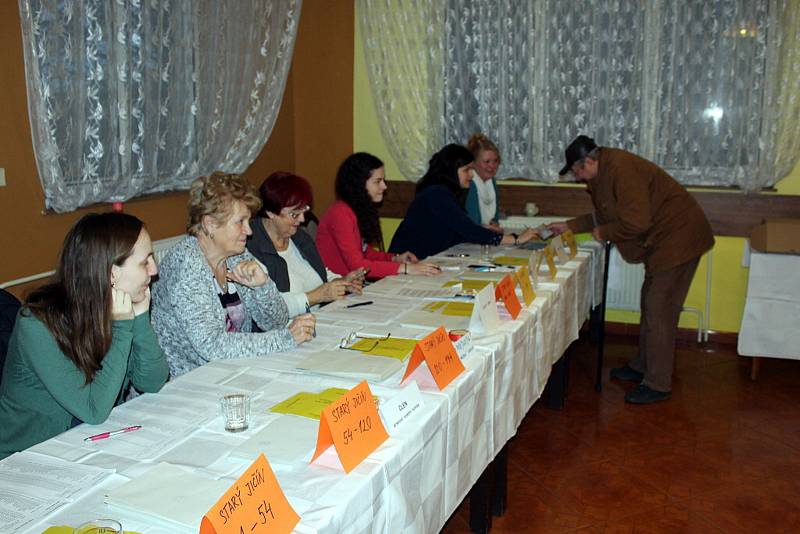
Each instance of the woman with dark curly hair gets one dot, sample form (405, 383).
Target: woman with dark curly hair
(349, 235)
(436, 219)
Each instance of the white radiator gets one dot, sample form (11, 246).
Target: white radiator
(624, 283)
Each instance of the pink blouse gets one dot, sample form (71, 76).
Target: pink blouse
(340, 245)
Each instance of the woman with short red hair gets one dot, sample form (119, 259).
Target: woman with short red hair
(288, 252)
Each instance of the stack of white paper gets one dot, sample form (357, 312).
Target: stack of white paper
(168, 494)
(32, 486)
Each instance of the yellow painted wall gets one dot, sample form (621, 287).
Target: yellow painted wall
(729, 278)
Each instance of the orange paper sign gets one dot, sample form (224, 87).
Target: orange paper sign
(352, 425)
(551, 262)
(255, 503)
(569, 237)
(524, 279)
(505, 292)
(441, 355)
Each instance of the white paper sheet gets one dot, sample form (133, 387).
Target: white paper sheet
(170, 494)
(350, 364)
(288, 439)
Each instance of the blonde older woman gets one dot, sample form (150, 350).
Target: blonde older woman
(482, 203)
(211, 290)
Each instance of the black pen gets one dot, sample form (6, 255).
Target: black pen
(313, 332)
(359, 304)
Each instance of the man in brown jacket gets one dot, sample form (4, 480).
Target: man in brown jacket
(651, 218)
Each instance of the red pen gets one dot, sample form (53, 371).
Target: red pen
(105, 435)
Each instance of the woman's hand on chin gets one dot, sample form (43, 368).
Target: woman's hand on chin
(121, 307)
(143, 305)
(248, 273)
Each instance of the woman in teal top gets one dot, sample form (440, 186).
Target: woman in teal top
(482, 202)
(81, 341)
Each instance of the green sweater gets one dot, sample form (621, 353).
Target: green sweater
(42, 390)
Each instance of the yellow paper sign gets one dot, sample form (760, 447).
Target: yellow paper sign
(394, 347)
(255, 503)
(510, 261)
(551, 262)
(569, 237)
(475, 285)
(454, 308)
(308, 404)
(352, 425)
(524, 279)
(443, 361)
(71, 530)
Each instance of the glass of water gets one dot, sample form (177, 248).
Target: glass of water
(236, 411)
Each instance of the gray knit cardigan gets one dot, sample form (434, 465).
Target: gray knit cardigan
(189, 319)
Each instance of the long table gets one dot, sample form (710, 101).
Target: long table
(411, 483)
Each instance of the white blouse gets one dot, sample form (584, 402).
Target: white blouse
(302, 278)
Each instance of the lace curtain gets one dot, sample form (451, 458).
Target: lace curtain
(142, 96)
(403, 46)
(707, 89)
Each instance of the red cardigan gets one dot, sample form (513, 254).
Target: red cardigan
(339, 243)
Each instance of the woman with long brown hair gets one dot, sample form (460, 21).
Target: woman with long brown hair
(82, 340)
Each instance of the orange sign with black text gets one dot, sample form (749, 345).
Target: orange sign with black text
(442, 357)
(505, 292)
(352, 425)
(255, 503)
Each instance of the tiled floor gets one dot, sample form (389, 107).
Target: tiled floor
(722, 455)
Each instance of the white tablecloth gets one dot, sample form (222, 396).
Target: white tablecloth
(772, 309)
(413, 482)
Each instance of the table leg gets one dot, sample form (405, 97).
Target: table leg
(555, 392)
(500, 489)
(755, 367)
(601, 331)
(480, 500)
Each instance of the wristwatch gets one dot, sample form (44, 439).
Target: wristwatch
(516, 237)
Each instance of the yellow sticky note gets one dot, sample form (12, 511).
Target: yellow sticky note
(458, 309)
(308, 404)
(394, 347)
(475, 285)
(433, 306)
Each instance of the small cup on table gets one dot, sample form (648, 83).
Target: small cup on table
(236, 411)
